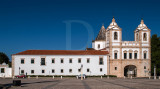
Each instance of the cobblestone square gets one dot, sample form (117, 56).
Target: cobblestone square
(89, 83)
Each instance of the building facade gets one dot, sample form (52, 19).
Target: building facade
(60, 62)
(109, 55)
(5, 70)
(126, 58)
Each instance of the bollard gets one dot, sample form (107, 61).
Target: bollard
(101, 77)
(84, 77)
(53, 77)
(149, 77)
(77, 77)
(28, 77)
(124, 77)
(108, 77)
(37, 77)
(131, 77)
(154, 77)
(61, 77)
(159, 77)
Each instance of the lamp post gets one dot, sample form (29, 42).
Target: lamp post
(81, 72)
(109, 65)
(154, 71)
(19, 70)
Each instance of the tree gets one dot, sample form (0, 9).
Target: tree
(4, 58)
(155, 54)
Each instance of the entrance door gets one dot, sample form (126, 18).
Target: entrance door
(130, 70)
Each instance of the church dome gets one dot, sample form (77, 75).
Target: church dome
(113, 25)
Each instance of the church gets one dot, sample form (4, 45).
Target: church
(109, 55)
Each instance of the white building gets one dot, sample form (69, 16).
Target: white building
(60, 62)
(5, 71)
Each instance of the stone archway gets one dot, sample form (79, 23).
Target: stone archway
(130, 70)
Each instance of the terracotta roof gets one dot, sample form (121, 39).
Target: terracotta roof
(62, 52)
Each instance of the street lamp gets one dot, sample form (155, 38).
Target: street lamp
(81, 72)
(19, 70)
(109, 65)
(154, 71)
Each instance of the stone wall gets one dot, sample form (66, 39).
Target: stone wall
(120, 64)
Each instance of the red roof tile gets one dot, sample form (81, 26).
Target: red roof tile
(62, 52)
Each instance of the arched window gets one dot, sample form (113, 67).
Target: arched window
(144, 37)
(115, 54)
(115, 35)
(145, 54)
(137, 37)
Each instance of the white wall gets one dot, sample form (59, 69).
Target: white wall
(57, 66)
(95, 45)
(7, 72)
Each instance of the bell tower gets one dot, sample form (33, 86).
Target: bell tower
(113, 39)
(142, 35)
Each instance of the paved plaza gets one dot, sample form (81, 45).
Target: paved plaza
(89, 83)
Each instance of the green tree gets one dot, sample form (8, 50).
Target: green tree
(4, 58)
(155, 54)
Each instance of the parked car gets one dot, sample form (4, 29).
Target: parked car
(21, 76)
(83, 75)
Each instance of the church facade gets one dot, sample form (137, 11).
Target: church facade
(126, 58)
(109, 55)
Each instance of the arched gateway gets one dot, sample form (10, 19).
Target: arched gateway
(130, 70)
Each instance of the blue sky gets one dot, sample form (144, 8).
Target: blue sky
(43, 24)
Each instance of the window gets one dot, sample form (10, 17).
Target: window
(43, 61)
(130, 55)
(43, 71)
(135, 55)
(22, 61)
(101, 70)
(88, 60)
(53, 60)
(62, 60)
(98, 46)
(32, 61)
(115, 35)
(115, 55)
(70, 60)
(53, 71)
(79, 60)
(145, 55)
(137, 37)
(125, 55)
(22, 71)
(87, 70)
(144, 37)
(100, 61)
(32, 71)
(79, 70)
(70, 70)
(61, 70)
(115, 68)
(2, 70)
(144, 67)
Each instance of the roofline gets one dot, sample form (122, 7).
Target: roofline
(60, 54)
